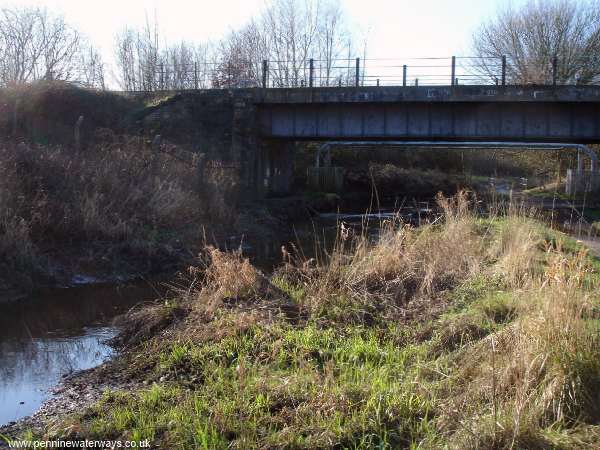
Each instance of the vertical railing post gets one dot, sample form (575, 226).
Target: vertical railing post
(265, 70)
(503, 70)
(416, 82)
(311, 72)
(357, 81)
(452, 79)
(404, 75)
(195, 75)
(554, 70)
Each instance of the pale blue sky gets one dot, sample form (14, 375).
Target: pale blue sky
(395, 28)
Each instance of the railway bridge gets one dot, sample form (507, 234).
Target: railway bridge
(257, 128)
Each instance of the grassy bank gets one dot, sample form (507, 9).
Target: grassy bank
(470, 333)
(114, 206)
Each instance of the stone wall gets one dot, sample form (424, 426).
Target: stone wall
(223, 124)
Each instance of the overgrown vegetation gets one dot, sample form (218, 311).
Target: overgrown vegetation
(467, 333)
(117, 199)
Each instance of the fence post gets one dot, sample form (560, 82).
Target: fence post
(357, 81)
(404, 75)
(503, 70)
(554, 70)
(453, 71)
(162, 77)
(265, 71)
(311, 69)
(196, 75)
(416, 82)
(377, 82)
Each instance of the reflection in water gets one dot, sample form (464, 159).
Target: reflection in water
(57, 332)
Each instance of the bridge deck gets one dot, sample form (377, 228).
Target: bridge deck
(511, 113)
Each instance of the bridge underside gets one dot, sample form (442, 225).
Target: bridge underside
(575, 122)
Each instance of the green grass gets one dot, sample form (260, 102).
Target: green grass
(278, 385)
(545, 193)
(484, 365)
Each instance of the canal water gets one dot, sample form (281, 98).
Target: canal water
(60, 331)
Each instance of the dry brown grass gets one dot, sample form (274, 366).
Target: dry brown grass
(540, 372)
(223, 296)
(116, 193)
(106, 192)
(405, 264)
(516, 250)
(227, 276)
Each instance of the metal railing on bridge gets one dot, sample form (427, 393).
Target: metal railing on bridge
(431, 71)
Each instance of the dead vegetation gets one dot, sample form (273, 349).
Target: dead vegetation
(117, 194)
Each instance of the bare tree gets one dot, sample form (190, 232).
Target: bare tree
(186, 66)
(531, 37)
(240, 56)
(334, 41)
(147, 63)
(91, 68)
(288, 33)
(126, 41)
(291, 27)
(138, 58)
(35, 44)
